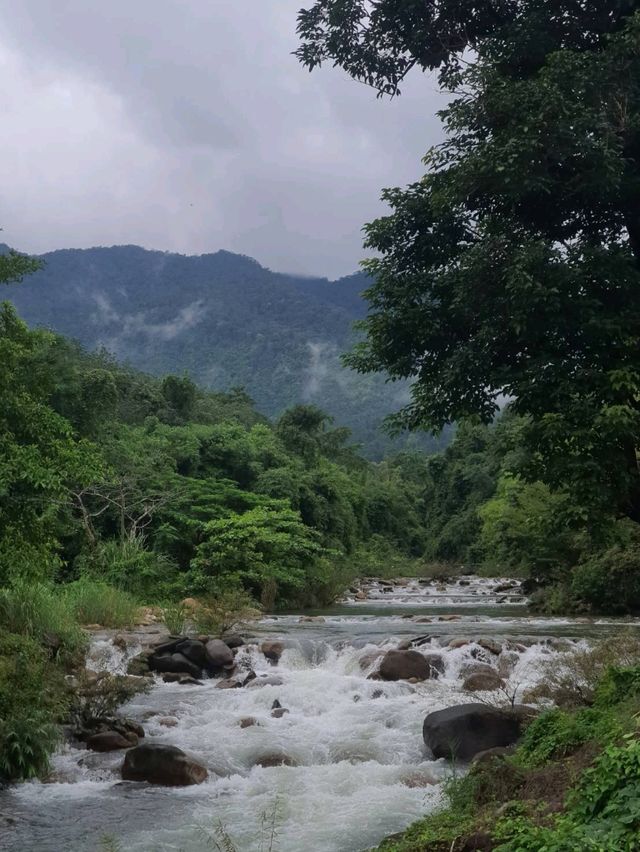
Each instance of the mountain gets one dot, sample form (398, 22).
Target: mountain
(224, 319)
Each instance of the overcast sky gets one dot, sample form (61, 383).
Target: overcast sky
(186, 125)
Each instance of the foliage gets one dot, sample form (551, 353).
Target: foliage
(174, 616)
(603, 815)
(228, 607)
(129, 566)
(99, 696)
(94, 602)
(42, 613)
(610, 581)
(512, 268)
(32, 699)
(268, 546)
(223, 322)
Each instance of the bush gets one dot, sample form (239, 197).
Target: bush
(610, 581)
(32, 700)
(127, 565)
(42, 613)
(174, 616)
(93, 602)
(99, 697)
(219, 614)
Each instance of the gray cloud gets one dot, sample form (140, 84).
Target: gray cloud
(187, 125)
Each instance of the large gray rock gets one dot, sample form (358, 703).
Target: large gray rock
(110, 741)
(483, 682)
(272, 649)
(162, 764)
(175, 662)
(194, 651)
(402, 665)
(464, 731)
(218, 654)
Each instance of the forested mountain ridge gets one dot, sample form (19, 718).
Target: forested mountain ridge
(225, 320)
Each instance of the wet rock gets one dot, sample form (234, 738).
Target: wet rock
(139, 666)
(405, 646)
(110, 741)
(401, 665)
(477, 668)
(311, 619)
(267, 761)
(458, 643)
(178, 677)
(505, 587)
(248, 722)
(265, 680)
(422, 619)
(174, 663)
(233, 640)
(369, 658)
(272, 649)
(193, 651)
(120, 641)
(218, 654)
(418, 780)
(279, 712)
(490, 645)
(377, 693)
(464, 582)
(167, 721)
(449, 617)
(462, 732)
(436, 665)
(228, 683)
(162, 764)
(362, 596)
(483, 682)
(251, 675)
(507, 662)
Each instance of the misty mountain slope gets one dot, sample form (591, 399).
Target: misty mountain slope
(225, 320)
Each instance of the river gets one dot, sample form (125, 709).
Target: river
(359, 769)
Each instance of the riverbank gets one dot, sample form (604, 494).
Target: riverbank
(573, 782)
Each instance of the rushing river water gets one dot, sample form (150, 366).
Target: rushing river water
(359, 769)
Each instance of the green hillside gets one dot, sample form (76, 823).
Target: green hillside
(225, 320)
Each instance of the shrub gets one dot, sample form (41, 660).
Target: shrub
(93, 602)
(32, 699)
(610, 581)
(99, 697)
(216, 615)
(42, 613)
(174, 616)
(127, 565)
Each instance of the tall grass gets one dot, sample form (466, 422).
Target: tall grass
(41, 612)
(93, 602)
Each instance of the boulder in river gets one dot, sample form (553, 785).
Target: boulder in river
(233, 640)
(483, 682)
(175, 662)
(435, 663)
(218, 654)
(110, 741)
(193, 651)
(267, 761)
(272, 649)
(462, 732)
(162, 764)
(401, 665)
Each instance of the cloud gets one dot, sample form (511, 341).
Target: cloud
(187, 125)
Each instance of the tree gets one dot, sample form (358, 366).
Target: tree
(513, 267)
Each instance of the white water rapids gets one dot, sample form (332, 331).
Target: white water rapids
(360, 770)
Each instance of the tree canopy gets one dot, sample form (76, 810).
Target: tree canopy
(512, 269)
